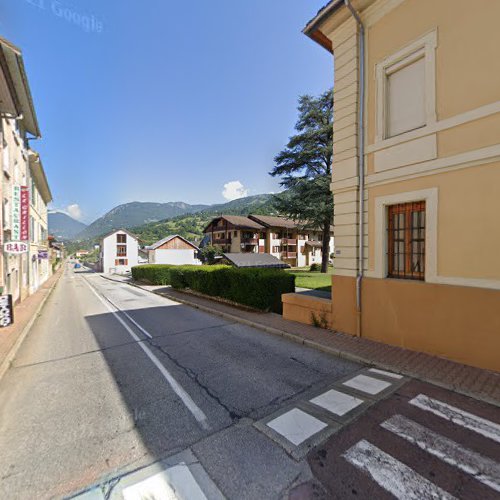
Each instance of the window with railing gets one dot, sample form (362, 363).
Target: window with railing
(406, 241)
(121, 250)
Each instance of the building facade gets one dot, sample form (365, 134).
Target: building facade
(416, 173)
(293, 243)
(283, 238)
(173, 250)
(119, 252)
(236, 234)
(40, 195)
(19, 125)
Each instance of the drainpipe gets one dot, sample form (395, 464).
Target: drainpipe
(361, 160)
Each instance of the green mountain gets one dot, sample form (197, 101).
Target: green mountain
(64, 227)
(136, 214)
(191, 226)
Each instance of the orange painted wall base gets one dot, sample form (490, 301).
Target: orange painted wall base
(454, 322)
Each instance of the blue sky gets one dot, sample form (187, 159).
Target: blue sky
(164, 100)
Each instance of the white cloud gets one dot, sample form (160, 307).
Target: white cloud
(234, 190)
(74, 211)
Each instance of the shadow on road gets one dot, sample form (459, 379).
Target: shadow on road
(229, 370)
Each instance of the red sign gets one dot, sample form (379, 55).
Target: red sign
(25, 214)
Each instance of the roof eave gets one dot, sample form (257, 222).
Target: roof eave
(312, 28)
(14, 60)
(40, 177)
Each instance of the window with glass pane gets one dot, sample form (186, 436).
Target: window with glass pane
(121, 238)
(406, 241)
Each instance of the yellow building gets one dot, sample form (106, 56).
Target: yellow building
(416, 177)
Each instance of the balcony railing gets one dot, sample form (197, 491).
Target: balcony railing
(222, 241)
(289, 241)
(250, 241)
(289, 255)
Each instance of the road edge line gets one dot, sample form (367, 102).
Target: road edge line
(181, 393)
(7, 361)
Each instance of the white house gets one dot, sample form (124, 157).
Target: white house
(119, 252)
(174, 250)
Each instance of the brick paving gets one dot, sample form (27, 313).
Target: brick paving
(24, 313)
(475, 382)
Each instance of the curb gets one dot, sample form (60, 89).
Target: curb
(11, 354)
(320, 347)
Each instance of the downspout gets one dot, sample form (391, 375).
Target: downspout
(361, 161)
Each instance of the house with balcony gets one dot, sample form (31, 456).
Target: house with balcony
(416, 176)
(294, 243)
(236, 234)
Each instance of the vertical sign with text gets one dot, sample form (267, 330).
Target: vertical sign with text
(16, 212)
(6, 310)
(25, 214)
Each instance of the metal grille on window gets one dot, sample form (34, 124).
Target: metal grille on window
(406, 241)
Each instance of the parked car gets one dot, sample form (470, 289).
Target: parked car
(78, 265)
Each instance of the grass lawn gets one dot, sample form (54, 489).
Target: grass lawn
(313, 280)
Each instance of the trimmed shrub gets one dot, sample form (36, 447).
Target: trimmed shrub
(257, 288)
(156, 274)
(315, 268)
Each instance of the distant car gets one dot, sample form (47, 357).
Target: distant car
(77, 265)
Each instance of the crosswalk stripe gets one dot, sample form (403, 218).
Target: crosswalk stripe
(387, 374)
(457, 416)
(483, 469)
(391, 474)
(175, 483)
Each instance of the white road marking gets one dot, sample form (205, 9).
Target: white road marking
(482, 468)
(367, 384)
(392, 475)
(296, 425)
(175, 483)
(457, 416)
(177, 388)
(337, 402)
(387, 374)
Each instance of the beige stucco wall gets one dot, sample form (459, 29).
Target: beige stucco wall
(468, 75)
(468, 226)
(456, 156)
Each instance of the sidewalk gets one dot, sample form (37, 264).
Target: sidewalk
(467, 380)
(25, 314)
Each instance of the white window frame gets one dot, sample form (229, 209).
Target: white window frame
(425, 47)
(430, 196)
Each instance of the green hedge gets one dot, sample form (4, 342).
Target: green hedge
(156, 274)
(258, 288)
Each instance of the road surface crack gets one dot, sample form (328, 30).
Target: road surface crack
(234, 413)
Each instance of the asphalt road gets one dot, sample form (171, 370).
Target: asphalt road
(112, 379)
(120, 394)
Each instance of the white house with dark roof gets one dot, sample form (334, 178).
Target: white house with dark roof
(119, 252)
(175, 250)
